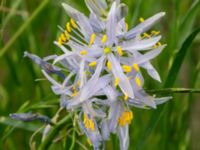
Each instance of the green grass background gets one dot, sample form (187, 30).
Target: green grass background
(32, 25)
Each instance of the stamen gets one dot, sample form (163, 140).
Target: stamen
(68, 27)
(104, 39)
(74, 94)
(141, 19)
(93, 64)
(125, 118)
(89, 124)
(92, 38)
(116, 82)
(109, 65)
(137, 81)
(84, 52)
(146, 35)
(125, 96)
(136, 67)
(126, 68)
(107, 50)
(155, 32)
(73, 23)
(119, 51)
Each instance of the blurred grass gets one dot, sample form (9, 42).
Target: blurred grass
(177, 129)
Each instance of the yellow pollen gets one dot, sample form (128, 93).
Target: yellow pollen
(84, 52)
(73, 23)
(78, 83)
(116, 81)
(125, 96)
(125, 118)
(158, 44)
(68, 27)
(136, 67)
(74, 94)
(119, 51)
(126, 26)
(66, 35)
(141, 19)
(92, 38)
(126, 68)
(93, 64)
(88, 123)
(137, 81)
(107, 50)
(60, 41)
(155, 32)
(109, 65)
(146, 35)
(104, 39)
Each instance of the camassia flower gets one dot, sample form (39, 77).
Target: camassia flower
(104, 60)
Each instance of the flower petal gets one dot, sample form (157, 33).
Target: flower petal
(124, 83)
(123, 134)
(144, 26)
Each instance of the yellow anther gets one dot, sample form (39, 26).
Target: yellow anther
(126, 68)
(73, 23)
(125, 118)
(93, 64)
(137, 81)
(60, 41)
(92, 38)
(66, 35)
(136, 67)
(126, 26)
(104, 39)
(68, 27)
(84, 52)
(63, 37)
(125, 96)
(159, 44)
(119, 51)
(107, 50)
(74, 94)
(88, 123)
(141, 19)
(155, 32)
(109, 65)
(116, 82)
(146, 35)
(78, 83)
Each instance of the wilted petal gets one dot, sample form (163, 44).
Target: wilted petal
(124, 83)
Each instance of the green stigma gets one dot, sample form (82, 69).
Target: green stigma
(107, 50)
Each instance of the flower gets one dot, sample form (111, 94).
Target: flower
(104, 58)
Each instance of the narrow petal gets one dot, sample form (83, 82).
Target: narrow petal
(111, 24)
(144, 26)
(105, 130)
(141, 44)
(149, 55)
(110, 93)
(124, 83)
(162, 100)
(123, 134)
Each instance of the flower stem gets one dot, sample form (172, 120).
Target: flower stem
(173, 90)
(48, 140)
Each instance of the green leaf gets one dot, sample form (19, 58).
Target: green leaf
(176, 65)
(171, 78)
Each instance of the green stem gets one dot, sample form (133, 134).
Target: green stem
(48, 140)
(23, 27)
(173, 90)
(73, 140)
